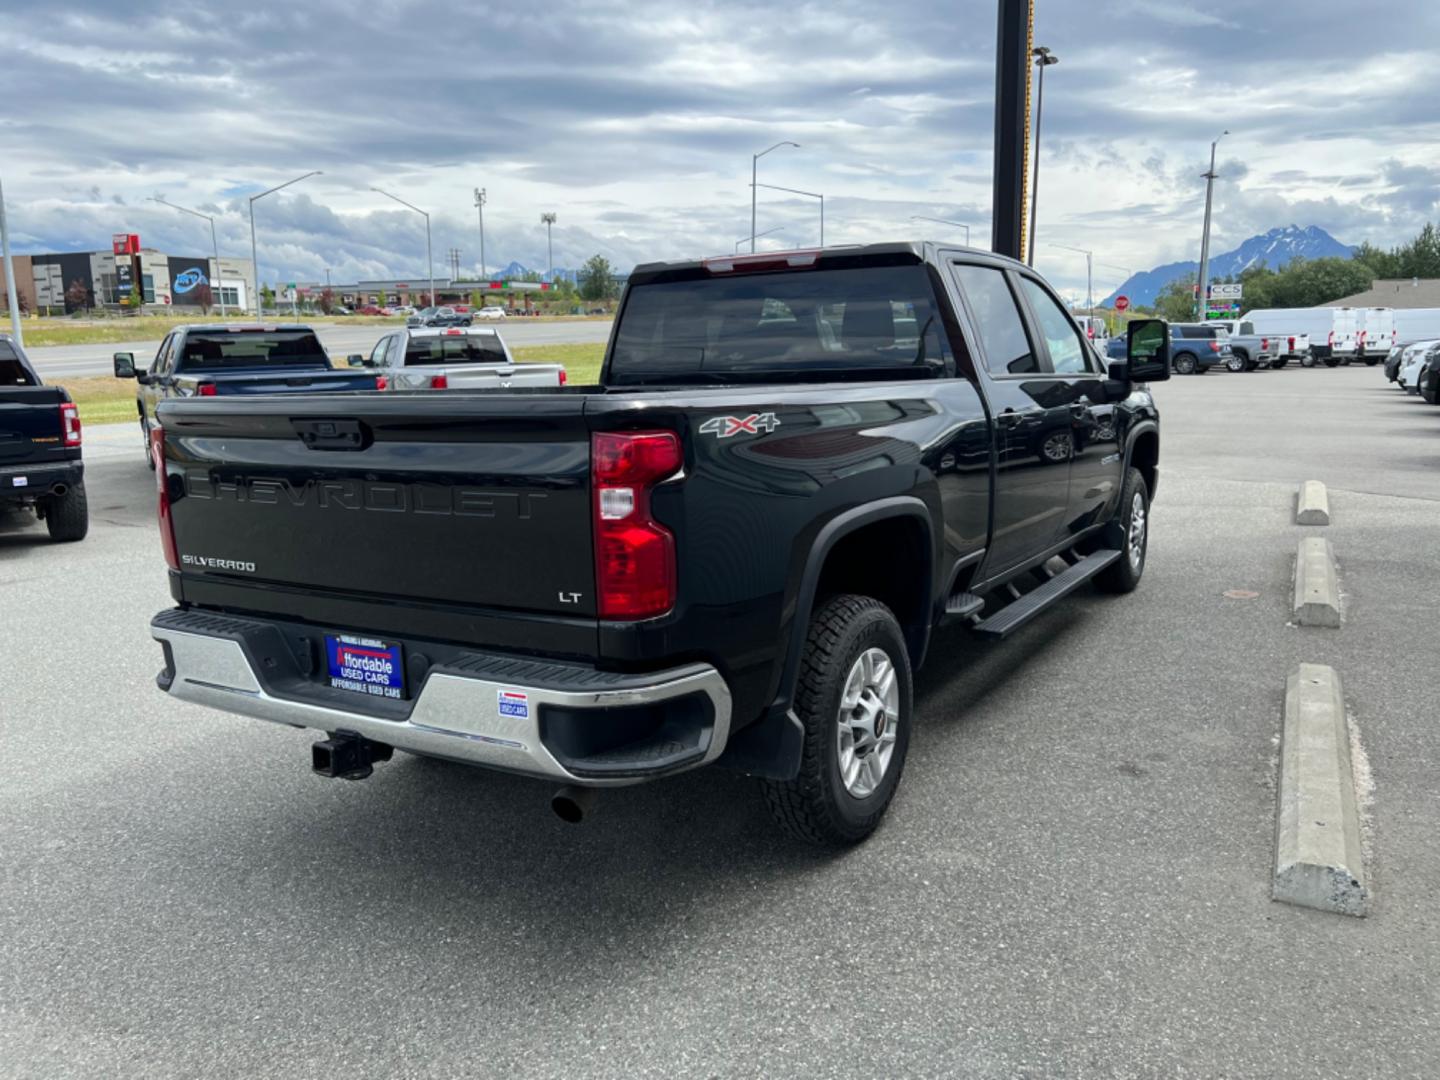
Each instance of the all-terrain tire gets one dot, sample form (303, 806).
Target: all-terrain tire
(1124, 573)
(68, 516)
(816, 806)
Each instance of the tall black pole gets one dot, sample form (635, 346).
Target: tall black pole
(1012, 73)
(1035, 181)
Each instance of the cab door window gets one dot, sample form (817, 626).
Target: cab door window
(1062, 337)
(997, 321)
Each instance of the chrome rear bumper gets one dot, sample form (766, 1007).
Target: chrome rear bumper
(455, 713)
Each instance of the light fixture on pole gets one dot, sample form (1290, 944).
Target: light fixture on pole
(11, 298)
(757, 236)
(811, 194)
(1043, 58)
(254, 261)
(219, 285)
(480, 210)
(754, 164)
(1202, 290)
(943, 221)
(1089, 274)
(548, 218)
(429, 262)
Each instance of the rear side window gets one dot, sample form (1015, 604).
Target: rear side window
(997, 321)
(456, 349)
(212, 351)
(873, 318)
(12, 372)
(1198, 333)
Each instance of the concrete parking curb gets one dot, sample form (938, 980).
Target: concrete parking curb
(1312, 504)
(1317, 585)
(1318, 858)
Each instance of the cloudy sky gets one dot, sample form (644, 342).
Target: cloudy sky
(634, 121)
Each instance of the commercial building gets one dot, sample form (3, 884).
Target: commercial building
(68, 281)
(1399, 293)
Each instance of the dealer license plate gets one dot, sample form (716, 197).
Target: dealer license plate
(365, 666)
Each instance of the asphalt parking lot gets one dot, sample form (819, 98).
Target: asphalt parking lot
(1073, 881)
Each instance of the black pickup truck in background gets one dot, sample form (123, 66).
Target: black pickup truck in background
(210, 360)
(732, 550)
(40, 467)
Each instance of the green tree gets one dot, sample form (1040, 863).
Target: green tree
(597, 279)
(267, 298)
(477, 298)
(1176, 301)
(136, 300)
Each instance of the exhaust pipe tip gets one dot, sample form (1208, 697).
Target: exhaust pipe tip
(59, 490)
(572, 803)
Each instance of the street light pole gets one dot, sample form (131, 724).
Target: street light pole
(480, 209)
(215, 246)
(754, 165)
(254, 260)
(942, 221)
(1043, 58)
(797, 191)
(757, 236)
(1089, 274)
(1203, 291)
(11, 296)
(548, 218)
(429, 261)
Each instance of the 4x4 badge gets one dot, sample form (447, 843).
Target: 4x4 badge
(723, 427)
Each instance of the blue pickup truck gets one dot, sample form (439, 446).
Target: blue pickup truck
(40, 467)
(210, 360)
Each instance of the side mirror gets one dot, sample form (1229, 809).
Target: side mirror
(124, 365)
(1147, 350)
(355, 360)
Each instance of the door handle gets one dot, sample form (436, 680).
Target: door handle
(1008, 418)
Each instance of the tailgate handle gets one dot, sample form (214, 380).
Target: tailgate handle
(331, 434)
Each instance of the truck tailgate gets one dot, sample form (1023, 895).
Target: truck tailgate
(30, 428)
(460, 500)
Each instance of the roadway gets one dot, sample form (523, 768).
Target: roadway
(1073, 880)
(59, 361)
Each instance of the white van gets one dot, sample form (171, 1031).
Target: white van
(1377, 334)
(1333, 332)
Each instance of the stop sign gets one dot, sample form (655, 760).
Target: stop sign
(1121, 303)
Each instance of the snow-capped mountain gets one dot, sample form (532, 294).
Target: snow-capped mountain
(1274, 249)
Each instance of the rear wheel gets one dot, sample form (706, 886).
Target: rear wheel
(1371, 361)
(1331, 361)
(1276, 365)
(1129, 531)
(854, 700)
(1185, 364)
(67, 517)
(1308, 361)
(1238, 362)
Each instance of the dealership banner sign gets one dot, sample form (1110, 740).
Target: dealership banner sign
(186, 278)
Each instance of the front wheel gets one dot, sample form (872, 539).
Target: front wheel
(854, 699)
(1308, 361)
(1130, 531)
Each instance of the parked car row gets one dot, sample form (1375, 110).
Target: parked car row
(1415, 368)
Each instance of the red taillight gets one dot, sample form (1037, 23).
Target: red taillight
(1292, 344)
(563, 377)
(1214, 346)
(70, 422)
(162, 509)
(205, 389)
(1331, 339)
(1264, 343)
(382, 383)
(634, 554)
(439, 382)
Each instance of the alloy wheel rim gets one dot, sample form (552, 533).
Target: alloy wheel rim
(867, 723)
(1136, 546)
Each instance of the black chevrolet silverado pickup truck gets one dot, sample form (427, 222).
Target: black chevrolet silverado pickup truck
(734, 549)
(40, 467)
